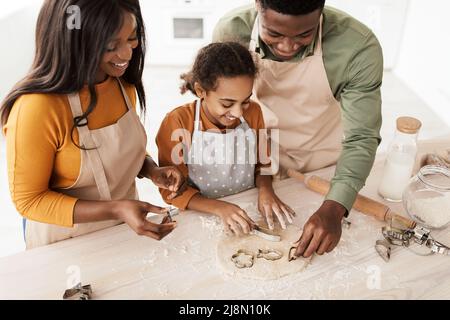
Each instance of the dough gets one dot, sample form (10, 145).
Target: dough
(262, 269)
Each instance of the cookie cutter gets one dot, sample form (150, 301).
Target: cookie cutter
(401, 237)
(242, 265)
(269, 254)
(172, 213)
(291, 254)
(78, 292)
(383, 248)
(346, 224)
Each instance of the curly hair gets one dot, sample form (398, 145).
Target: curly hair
(292, 7)
(216, 60)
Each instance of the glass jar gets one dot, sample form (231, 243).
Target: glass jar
(427, 197)
(400, 159)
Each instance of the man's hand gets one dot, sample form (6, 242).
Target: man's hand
(322, 232)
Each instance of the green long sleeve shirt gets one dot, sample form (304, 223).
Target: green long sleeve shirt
(353, 62)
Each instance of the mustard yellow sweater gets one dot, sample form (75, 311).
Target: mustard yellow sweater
(40, 154)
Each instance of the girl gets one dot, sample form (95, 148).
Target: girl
(218, 161)
(74, 141)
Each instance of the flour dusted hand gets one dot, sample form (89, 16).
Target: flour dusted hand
(234, 218)
(269, 205)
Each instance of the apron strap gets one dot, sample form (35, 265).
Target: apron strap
(125, 95)
(318, 49)
(198, 106)
(93, 155)
(255, 35)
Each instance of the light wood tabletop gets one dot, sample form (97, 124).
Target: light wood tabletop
(121, 265)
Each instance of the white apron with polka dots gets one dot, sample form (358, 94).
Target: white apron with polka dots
(222, 164)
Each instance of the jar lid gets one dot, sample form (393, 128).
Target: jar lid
(408, 125)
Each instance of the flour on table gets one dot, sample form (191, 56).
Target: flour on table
(262, 269)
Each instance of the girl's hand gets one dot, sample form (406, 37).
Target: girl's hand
(134, 213)
(169, 178)
(234, 218)
(269, 204)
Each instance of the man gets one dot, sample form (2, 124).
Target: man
(319, 84)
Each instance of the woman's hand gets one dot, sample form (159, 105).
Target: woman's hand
(269, 204)
(169, 178)
(134, 213)
(234, 218)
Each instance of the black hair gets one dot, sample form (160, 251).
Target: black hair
(292, 7)
(216, 60)
(68, 59)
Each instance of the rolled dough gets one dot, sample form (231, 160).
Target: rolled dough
(262, 269)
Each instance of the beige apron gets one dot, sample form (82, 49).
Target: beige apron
(107, 172)
(296, 98)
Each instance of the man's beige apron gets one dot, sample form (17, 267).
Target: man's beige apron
(296, 98)
(107, 172)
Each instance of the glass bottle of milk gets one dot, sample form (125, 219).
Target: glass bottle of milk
(400, 159)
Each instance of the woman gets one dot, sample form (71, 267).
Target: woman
(75, 144)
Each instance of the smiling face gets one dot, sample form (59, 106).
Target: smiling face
(119, 50)
(286, 35)
(225, 104)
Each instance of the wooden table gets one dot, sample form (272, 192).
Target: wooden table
(120, 265)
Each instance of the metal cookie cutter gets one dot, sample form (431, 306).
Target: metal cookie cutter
(405, 237)
(78, 292)
(383, 247)
(346, 224)
(243, 264)
(172, 213)
(269, 254)
(291, 255)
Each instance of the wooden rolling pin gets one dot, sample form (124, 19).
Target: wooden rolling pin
(362, 204)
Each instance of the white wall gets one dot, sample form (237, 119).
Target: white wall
(17, 27)
(158, 18)
(386, 18)
(424, 59)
